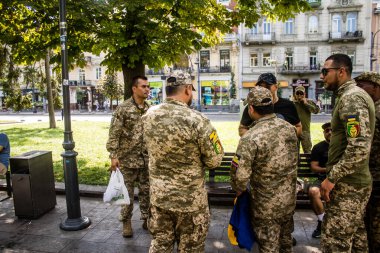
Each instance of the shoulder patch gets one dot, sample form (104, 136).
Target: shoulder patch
(235, 162)
(353, 126)
(214, 139)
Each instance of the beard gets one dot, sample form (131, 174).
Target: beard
(330, 87)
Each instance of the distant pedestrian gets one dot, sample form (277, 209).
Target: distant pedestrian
(5, 150)
(128, 152)
(181, 143)
(348, 185)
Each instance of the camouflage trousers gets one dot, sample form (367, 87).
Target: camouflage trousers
(373, 224)
(306, 141)
(343, 227)
(131, 176)
(274, 235)
(189, 230)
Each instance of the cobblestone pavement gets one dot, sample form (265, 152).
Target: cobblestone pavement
(104, 233)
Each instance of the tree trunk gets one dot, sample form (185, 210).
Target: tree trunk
(49, 91)
(128, 74)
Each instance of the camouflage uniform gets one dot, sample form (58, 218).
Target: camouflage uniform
(373, 207)
(267, 158)
(181, 143)
(304, 112)
(127, 144)
(352, 125)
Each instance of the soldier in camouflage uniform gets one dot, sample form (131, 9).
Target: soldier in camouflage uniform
(370, 82)
(181, 144)
(305, 107)
(266, 157)
(128, 152)
(348, 185)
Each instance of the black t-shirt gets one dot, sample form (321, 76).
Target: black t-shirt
(284, 109)
(319, 153)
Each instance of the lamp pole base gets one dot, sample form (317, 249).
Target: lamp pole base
(75, 224)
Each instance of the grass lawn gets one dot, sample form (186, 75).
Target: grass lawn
(90, 143)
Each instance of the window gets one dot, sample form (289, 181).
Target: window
(351, 22)
(313, 24)
(205, 59)
(266, 26)
(98, 73)
(82, 76)
(224, 60)
(336, 26)
(254, 29)
(266, 60)
(289, 60)
(313, 60)
(351, 54)
(289, 26)
(254, 60)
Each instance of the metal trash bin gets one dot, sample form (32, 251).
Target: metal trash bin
(33, 183)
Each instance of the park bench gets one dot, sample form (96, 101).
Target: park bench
(220, 191)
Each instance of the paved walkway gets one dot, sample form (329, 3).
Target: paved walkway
(104, 234)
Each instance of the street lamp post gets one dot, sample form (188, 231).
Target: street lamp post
(372, 58)
(199, 83)
(74, 220)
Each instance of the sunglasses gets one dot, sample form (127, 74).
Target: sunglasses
(299, 93)
(325, 71)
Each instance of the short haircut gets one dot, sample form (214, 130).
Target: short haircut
(264, 110)
(341, 60)
(173, 90)
(135, 80)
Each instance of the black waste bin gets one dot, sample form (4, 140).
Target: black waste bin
(33, 183)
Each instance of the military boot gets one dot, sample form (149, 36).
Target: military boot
(127, 229)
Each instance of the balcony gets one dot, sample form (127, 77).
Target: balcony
(346, 36)
(304, 69)
(81, 83)
(259, 38)
(230, 37)
(314, 3)
(216, 69)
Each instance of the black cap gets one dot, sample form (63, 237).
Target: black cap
(269, 78)
(326, 125)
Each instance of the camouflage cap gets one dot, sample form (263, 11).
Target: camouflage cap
(259, 96)
(179, 78)
(300, 88)
(369, 76)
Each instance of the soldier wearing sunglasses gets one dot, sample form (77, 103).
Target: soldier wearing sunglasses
(348, 185)
(370, 82)
(305, 107)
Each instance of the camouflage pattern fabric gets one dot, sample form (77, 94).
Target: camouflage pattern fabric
(190, 234)
(266, 157)
(181, 144)
(131, 176)
(343, 227)
(274, 235)
(374, 161)
(306, 141)
(353, 124)
(125, 139)
(369, 76)
(126, 143)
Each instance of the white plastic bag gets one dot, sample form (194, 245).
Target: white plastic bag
(116, 191)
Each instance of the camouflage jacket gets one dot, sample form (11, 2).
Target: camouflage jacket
(304, 112)
(374, 161)
(353, 124)
(267, 157)
(181, 143)
(125, 140)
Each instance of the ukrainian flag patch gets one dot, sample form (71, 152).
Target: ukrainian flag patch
(215, 142)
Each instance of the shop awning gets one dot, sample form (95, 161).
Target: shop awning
(282, 84)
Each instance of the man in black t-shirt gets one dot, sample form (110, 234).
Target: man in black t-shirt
(319, 156)
(284, 108)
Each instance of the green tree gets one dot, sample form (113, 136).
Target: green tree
(233, 86)
(136, 33)
(110, 87)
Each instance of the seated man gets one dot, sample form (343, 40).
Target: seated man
(5, 151)
(319, 155)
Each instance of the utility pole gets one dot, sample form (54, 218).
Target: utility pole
(74, 220)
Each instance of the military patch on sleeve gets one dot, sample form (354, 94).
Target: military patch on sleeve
(215, 142)
(235, 162)
(353, 126)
